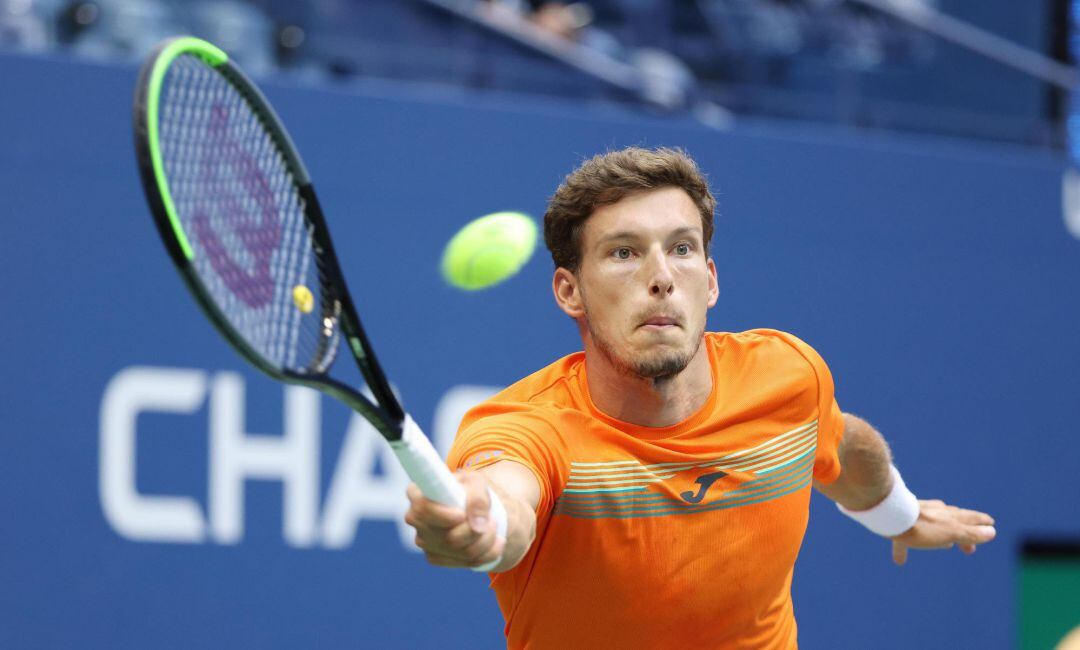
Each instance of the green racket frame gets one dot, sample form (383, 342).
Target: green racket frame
(388, 414)
(411, 447)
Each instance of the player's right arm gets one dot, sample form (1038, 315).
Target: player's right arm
(452, 537)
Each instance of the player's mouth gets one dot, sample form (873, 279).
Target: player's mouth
(660, 323)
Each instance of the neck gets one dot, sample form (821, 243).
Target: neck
(644, 401)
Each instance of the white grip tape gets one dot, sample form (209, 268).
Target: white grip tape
(897, 513)
(426, 468)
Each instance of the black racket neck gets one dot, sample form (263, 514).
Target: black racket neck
(351, 326)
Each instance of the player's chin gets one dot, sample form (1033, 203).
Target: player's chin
(658, 366)
(663, 352)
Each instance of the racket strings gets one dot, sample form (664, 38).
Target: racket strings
(239, 204)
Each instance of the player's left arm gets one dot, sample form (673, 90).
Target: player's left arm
(868, 483)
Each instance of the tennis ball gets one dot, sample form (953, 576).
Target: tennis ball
(303, 299)
(489, 250)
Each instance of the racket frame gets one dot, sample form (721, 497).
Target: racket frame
(413, 449)
(386, 412)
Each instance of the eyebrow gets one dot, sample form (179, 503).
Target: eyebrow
(626, 234)
(619, 234)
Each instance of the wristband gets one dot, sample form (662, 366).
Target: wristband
(498, 513)
(896, 514)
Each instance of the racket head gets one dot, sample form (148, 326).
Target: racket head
(234, 206)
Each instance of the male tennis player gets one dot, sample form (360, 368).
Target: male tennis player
(657, 484)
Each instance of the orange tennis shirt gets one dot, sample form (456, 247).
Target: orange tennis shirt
(680, 536)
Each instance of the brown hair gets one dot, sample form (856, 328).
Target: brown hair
(607, 178)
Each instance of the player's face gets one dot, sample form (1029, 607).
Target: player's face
(645, 282)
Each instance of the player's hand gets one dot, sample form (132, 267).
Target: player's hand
(452, 537)
(943, 526)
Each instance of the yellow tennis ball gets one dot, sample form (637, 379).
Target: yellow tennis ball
(302, 298)
(489, 250)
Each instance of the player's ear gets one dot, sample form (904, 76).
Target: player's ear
(567, 293)
(714, 284)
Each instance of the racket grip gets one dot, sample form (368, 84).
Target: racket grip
(426, 468)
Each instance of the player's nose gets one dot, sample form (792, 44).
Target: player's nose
(661, 279)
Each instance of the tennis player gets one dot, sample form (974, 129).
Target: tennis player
(657, 484)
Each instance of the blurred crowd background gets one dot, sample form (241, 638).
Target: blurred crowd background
(972, 68)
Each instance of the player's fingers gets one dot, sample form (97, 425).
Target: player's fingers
(449, 542)
(899, 553)
(972, 535)
(429, 539)
(459, 538)
(483, 550)
(410, 492)
(444, 560)
(431, 515)
(492, 554)
(477, 500)
(974, 517)
(460, 546)
(967, 548)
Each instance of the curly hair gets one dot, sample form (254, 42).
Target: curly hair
(607, 178)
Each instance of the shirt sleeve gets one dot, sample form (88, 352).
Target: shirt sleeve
(520, 437)
(830, 418)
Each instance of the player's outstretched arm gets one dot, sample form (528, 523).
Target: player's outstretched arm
(452, 537)
(870, 490)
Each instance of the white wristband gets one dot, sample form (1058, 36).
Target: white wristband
(897, 513)
(498, 513)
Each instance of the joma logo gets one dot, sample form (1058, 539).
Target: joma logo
(704, 482)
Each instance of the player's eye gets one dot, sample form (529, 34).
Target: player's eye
(682, 249)
(622, 253)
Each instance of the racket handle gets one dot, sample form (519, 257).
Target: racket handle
(426, 468)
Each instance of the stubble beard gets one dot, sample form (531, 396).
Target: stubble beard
(659, 368)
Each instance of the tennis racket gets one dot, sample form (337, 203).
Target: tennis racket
(237, 212)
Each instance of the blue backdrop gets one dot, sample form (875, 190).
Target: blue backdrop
(936, 278)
